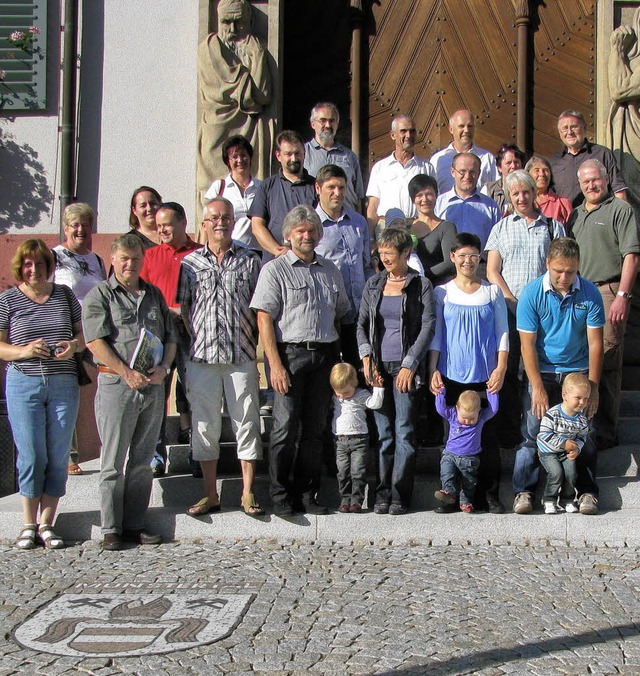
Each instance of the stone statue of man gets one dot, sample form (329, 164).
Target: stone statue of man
(234, 89)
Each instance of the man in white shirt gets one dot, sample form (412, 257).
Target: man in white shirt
(390, 176)
(462, 130)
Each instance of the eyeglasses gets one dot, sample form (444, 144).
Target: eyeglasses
(573, 127)
(216, 218)
(467, 172)
(468, 257)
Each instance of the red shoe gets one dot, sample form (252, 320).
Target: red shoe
(466, 507)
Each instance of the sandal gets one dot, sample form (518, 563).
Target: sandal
(203, 507)
(249, 505)
(75, 469)
(49, 538)
(27, 537)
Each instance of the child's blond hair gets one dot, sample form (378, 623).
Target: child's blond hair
(343, 375)
(469, 401)
(575, 381)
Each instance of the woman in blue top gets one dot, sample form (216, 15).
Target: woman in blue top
(469, 350)
(395, 326)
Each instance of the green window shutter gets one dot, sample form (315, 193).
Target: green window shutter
(24, 85)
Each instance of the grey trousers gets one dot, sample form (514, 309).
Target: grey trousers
(128, 424)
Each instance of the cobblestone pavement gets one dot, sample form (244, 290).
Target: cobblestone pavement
(359, 609)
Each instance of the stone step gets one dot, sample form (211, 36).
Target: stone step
(79, 517)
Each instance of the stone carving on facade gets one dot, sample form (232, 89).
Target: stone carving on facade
(624, 116)
(234, 93)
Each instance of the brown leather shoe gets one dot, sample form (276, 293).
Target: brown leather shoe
(111, 542)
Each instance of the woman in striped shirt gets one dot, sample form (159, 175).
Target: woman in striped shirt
(40, 331)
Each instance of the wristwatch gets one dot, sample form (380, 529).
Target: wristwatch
(624, 294)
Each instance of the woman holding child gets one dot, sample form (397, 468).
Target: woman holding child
(469, 351)
(395, 325)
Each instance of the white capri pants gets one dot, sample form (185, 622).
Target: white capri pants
(239, 384)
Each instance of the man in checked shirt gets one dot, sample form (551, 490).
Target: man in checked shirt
(214, 291)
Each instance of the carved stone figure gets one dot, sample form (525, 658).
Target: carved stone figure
(234, 92)
(624, 118)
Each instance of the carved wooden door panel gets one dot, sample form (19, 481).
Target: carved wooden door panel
(431, 57)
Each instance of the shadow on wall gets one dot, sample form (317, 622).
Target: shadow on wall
(26, 195)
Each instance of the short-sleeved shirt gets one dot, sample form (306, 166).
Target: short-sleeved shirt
(24, 320)
(228, 188)
(315, 157)
(276, 196)
(560, 323)
(80, 272)
(389, 182)
(224, 328)
(476, 214)
(161, 267)
(345, 242)
(605, 236)
(116, 315)
(442, 160)
(564, 168)
(303, 299)
(523, 248)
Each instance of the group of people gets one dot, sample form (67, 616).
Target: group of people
(440, 288)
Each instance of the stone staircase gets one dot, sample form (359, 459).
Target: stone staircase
(618, 522)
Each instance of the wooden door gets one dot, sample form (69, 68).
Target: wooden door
(429, 58)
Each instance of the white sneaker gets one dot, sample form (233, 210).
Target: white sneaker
(570, 507)
(550, 507)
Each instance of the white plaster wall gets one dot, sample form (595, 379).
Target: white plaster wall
(148, 105)
(138, 118)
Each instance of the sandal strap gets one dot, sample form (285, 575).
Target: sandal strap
(27, 537)
(48, 535)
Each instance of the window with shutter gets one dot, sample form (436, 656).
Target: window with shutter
(23, 66)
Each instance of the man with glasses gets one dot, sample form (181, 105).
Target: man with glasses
(572, 129)
(464, 205)
(278, 194)
(462, 129)
(214, 291)
(389, 180)
(322, 149)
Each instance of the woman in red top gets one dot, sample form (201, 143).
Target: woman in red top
(551, 205)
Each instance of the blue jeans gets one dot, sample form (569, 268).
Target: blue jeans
(294, 468)
(42, 412)
(460, 471)
(526, 468)
(561, 476)
(396, 423)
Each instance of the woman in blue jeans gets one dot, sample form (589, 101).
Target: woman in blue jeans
(40, 331)
(395, 325)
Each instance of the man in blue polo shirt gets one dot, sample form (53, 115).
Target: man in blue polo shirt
(560, 318)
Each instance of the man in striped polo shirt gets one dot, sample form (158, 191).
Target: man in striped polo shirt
(214, 291)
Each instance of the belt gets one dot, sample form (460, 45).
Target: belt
(616, 280)
(349, 437)
(310, 345)
(106, 369)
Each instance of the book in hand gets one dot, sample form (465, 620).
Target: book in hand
(148, 352)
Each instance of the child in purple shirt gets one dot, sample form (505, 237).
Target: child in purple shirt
(460, 457)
